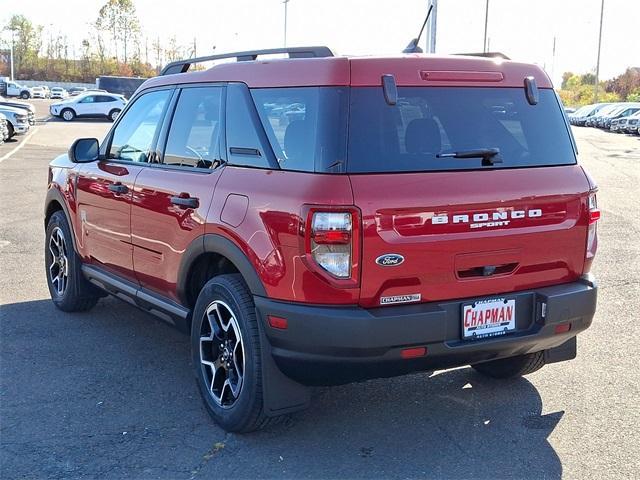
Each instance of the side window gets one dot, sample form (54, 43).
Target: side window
(194, 135)
(243, 141)
(89, 99)
(133, 136)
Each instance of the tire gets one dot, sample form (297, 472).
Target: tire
(511, 367)
(71, 292)
(11, 131)
(25, 95)
(68, 115)
(113, 114)
(221, 297)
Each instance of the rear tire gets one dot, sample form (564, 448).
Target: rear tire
(511, 367)
(113, 114)
(67, 115)
(218, 358)
(25, 95)
(69, 289)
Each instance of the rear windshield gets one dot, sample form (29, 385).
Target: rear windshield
(429, 122)
(354, 130)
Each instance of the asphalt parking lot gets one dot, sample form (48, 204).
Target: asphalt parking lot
(110, 394)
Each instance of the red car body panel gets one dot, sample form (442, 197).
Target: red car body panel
(270, 237)
(104, 216)
(440, 258)
(161, 232)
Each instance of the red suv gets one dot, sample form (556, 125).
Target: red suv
(320, 220)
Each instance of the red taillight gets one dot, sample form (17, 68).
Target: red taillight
(331, 245)
(331, 237)
(592, 232)
(413, 352)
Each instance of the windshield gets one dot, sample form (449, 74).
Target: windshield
(435, 128)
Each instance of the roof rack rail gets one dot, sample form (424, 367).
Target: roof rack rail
(181, 66)
(486, 54)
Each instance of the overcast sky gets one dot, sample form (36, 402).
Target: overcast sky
(522, 29)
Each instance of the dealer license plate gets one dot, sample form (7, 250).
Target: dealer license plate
(488, 318)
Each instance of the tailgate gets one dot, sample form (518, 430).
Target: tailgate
(470, 233)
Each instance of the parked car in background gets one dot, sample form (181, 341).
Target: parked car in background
(4, 130)
(47, 91)
(30, 109)
(13, 89)
(580, 119)
(73, 91)
(624, 110)
(89, 104)
(592, 120)
(569, 110)
(632, 123)
(17, 120)
(38, 92)
(59, 92)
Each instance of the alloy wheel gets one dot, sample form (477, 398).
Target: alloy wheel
(59, 267)
(222, 354)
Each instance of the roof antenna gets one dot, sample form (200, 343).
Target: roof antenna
(413, 44)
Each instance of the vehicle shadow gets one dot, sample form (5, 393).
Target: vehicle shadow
(111, 392)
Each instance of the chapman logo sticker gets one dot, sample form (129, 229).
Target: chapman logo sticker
(414, 297)
(390, 260)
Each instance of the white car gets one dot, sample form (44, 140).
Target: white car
(17, 120)
(59, 92)
(38, 92)
(89, 104)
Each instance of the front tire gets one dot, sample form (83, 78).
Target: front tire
(69, 290)
(68, 115)
(225, 347)
(25, 95)
(511, 367)
(10, 131)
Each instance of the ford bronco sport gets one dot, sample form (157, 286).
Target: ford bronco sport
(320, 219)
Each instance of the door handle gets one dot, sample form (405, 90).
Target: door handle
(186, 201)
(118, 188)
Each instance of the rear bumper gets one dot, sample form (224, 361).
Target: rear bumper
(333, 345)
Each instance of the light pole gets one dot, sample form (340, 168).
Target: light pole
(486, 23)
(11, 55)
(285, 21)
(433, 22)
(595, 92)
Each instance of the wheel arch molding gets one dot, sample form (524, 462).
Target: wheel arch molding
(218, 244)
(55, 196)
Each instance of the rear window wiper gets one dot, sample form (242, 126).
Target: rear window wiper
(489, 156)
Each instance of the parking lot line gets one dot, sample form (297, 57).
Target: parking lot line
(22, 144)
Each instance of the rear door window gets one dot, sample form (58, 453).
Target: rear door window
(429, 124)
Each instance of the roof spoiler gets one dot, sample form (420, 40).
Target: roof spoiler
(181, 66)
(486, 54)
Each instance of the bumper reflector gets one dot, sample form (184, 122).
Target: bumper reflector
(563, 328)
(413, 352)
(277, 322)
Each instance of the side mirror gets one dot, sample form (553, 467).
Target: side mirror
(84, 150)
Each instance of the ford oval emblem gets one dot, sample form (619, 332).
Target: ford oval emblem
(390, 260)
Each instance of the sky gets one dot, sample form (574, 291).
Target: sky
(522, 29)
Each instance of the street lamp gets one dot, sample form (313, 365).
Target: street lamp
(285, 21)
(486, 23)
(595, 92)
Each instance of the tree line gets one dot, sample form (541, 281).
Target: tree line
(579, 89)
(114, 45)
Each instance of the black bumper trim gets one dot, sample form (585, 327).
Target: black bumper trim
(328, 345)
